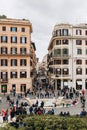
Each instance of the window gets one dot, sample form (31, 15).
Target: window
(86, 71)
(23, 88)
(78, 32)
(22, 50)
(64, 32)
(13, 39)
(86, 32)
(3, 28)
(23, 40)
(78, 42)
(23, 62)
(14, 87)
(51, 70)
(79, 84)
(79, 71)
(57, 62)
(86, 42)
(13, 50)
(65, 83)
(4, 39)
(86, 51)
(4, 75)
(23, 74)
(57, 52)
(13, 74)
(13, 62)
(78, 62)
(86, 62)
(65, 62)
(13, 29)
(57, 71)
(65, 71)
(3, 62)
(79, 51)
(51, 63)
(65, 42)
(58, 42)
(4, 50)
(30, 63)
(4, 88)
(57, 32)
(22, 29)
(65, 52)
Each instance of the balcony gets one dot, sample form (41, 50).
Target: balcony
(68, 35)
(61, 56)
(58, 76)
(65, 76)
(16, 54)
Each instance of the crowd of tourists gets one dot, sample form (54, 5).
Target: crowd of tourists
(48, 92)
(17, 108)
(83, 100)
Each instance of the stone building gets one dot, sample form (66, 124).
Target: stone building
(15, 55)
(67, 56)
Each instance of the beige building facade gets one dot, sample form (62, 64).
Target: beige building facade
(15, 55)
(67, 56)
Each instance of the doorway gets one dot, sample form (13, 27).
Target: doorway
(23, 88)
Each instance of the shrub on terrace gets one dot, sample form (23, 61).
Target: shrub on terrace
(49, 122)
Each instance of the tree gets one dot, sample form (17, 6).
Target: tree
(3, 16)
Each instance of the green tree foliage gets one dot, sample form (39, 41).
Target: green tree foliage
(3, 16)
(49, 122)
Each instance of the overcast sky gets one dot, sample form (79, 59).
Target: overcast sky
(44, 14)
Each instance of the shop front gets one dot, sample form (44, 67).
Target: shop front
(79, 84)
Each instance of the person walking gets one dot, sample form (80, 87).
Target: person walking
(4, 115)
(6, 118)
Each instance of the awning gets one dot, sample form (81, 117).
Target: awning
(65, 83)
(79, 82)
(65, 69)
(58, 69)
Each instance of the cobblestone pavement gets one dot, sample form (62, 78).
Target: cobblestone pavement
(4, 104)
(72, 109)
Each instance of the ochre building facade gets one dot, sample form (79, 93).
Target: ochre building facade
(15, 55)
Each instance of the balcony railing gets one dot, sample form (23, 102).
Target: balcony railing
(60, 76)
(62, 35)
(18, 54)
(61, 56)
